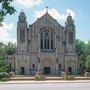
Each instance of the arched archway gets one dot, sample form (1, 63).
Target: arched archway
(71, 66)
(47, 65)
(22, 66)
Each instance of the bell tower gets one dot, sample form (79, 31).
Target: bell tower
(70, 35)
(22, 34)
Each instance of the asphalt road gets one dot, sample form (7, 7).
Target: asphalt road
(48, 86)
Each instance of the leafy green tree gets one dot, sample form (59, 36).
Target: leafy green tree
(10, 48)
(88, 63)
(5, 9)
(6, 49)
(2, 51)
(4, 67)
(88, 47)
(80, 49)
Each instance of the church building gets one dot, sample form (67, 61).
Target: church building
(45, 46)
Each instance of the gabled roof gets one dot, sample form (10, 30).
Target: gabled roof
(47, 18)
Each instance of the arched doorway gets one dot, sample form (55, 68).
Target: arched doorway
(71, 66)
(22, 66)
(47, 65)
(22, 70)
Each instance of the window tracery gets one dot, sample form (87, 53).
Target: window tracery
(47, 39)
(22, 35)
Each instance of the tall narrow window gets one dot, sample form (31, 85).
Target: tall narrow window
(22, 35)
(10, 64)
(51, 40)
(80, 65)
(41, 43)
(48, 43)
(47, 39)
(45, 43)
(51, 43)
(59, 65)
(71, 37)
(33, 66)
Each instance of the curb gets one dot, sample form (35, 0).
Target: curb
(43, 82)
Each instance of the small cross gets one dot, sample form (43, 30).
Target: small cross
(46, 9)
(22, 10)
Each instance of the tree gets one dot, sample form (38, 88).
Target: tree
(10, 48)
(6, 49)
(5, 9)
(4, 67)
(80, 49)
(88, 63)
(2, 51)
(88, 47)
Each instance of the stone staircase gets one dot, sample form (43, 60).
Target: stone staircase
(24, 77)
(48, 77)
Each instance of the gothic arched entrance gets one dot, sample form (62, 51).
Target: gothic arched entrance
(22, 67)
(71, 66)
(47, 65)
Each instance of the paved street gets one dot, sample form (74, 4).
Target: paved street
(48, 86)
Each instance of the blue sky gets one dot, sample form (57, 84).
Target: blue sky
(59, 9)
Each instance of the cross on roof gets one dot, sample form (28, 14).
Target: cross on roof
(22, 10)
(46, 9)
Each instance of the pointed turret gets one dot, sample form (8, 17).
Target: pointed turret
(22, 33)
(70, 34)
(70, 21)
(22, 17)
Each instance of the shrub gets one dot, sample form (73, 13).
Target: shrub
(40, 77)
(70, 77)
(4, 79)
(11, 74)
(4, 76)
(88, 63)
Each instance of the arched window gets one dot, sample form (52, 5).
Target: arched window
(33, 66)
(41, 43)
(45, 43)
(22, 35)
(46, 39)
(59, 65)
(48, 43)
(41, 36)
(51, 40)
(71, 37)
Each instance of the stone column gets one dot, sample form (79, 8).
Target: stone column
(56, 66)
(39, 68)
(16, 66)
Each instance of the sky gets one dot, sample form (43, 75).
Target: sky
(58, 9)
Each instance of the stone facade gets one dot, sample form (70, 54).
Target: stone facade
(45, 46)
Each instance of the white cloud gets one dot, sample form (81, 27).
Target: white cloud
(29, 3)
(55, 14)
(5, 31)
(72, 13)
(7, 26)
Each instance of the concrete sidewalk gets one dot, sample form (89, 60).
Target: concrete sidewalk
(45, 82)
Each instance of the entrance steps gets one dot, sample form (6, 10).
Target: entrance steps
(25, 77)
(48, 77)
